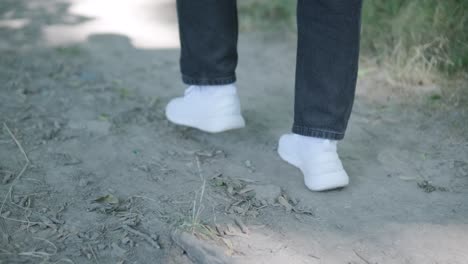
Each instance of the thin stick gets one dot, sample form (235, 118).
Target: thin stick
(142, 235)
(21, 221)
(20, 147)
(200, 207)
(48, 242)
(241, 225)
(35, 254)
(361, 257)
(64, 259)
(92, 252)
(17, 142)
(199, 168)
(144, 197)
(6, 251)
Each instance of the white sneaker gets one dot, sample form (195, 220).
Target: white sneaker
(209, 108)
(316, 158)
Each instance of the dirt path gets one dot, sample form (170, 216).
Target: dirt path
(109, 179)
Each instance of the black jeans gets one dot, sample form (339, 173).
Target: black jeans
(327, 57)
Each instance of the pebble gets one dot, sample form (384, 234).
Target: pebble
(83, 182)
(267, 193)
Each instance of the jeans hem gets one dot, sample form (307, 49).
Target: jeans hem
(317, 132)
(209, 81)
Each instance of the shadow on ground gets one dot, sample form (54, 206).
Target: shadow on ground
(110, 178)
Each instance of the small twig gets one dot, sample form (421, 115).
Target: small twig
(64, 259)
(35, 254)
(199, 168)
(200, 207)
(142, 235)
(144, 197)
(361, 257)
(6, 251)
(22, 207)
(193, 212)
(20, 147)
(21, 221)
(241, 225)
(48, 242)
(17, 142)
(40, 254)
(92, 252)
(313, 256)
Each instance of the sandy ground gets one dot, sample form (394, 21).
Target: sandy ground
(109, 180)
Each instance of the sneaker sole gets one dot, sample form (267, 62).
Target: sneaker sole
(335, 180)
(214, 125)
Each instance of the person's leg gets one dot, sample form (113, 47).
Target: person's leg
(208, 36)
(326, 72)
(327, 63)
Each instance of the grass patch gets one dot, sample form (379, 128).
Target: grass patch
(417, 41)
(266, 15)
(435, 97)
(72, 50)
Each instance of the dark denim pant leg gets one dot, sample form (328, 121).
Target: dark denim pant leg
(208, 36)
(327, 64)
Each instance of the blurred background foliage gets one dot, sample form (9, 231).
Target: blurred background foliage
(415, 40)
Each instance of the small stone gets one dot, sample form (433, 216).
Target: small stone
(83, 182)
(101, 246)
(220, 153)
(248, 164)
(205, 153)
(285, 203)
(294, 201)
(200, 251)
(7, 177)
(268, 193)
(94, 126)
(6, 214)
(93, 235)
(426, 186)
(117, 251)
(125, 240)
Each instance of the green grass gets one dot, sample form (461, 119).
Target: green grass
(416, 40)
(266, 15)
